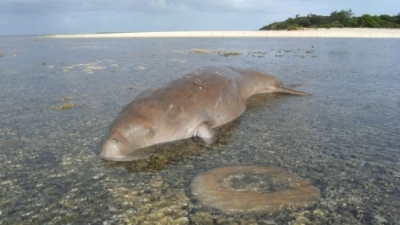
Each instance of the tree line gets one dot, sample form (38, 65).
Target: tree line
(339, 19)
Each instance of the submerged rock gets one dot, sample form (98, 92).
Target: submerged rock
(253, 189)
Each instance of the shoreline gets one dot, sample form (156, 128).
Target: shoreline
(306, 33)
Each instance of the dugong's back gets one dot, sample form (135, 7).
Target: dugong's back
(211, 93)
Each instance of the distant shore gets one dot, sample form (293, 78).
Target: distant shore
(310, 33)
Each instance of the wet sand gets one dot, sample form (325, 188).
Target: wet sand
(322, 32)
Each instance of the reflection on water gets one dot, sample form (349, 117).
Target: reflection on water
(343, 139)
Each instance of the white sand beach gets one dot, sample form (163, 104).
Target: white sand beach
(311, 33)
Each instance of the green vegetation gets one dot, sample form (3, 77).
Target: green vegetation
(344, 18)
(68, 105)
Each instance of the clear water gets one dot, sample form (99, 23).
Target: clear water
(345, 139)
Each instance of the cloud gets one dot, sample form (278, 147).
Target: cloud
(239, 6)
(174, 6)
(144, 6)
(79, 16)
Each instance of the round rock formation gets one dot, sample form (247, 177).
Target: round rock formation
(252, 189)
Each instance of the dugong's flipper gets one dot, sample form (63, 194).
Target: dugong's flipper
(206, 133)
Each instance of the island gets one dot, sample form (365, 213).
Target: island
(337, 19)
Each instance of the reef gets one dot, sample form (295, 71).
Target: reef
(253, 189)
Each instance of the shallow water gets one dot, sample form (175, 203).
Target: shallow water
(344, 139)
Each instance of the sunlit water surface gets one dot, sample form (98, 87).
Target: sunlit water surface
(344, 139)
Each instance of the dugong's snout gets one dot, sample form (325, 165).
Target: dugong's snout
(114, 150)
(111, 151)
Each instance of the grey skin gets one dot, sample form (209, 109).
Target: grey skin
(190, 106)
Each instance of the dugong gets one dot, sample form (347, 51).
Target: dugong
(190, 106)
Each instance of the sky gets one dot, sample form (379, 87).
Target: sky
(33, 17)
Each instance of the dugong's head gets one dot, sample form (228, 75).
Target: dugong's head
(128, 137)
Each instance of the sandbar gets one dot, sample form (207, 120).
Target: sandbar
(306, 33)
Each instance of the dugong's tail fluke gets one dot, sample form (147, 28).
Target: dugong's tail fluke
(286, 90)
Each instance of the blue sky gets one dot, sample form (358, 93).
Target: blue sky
(20, 17)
